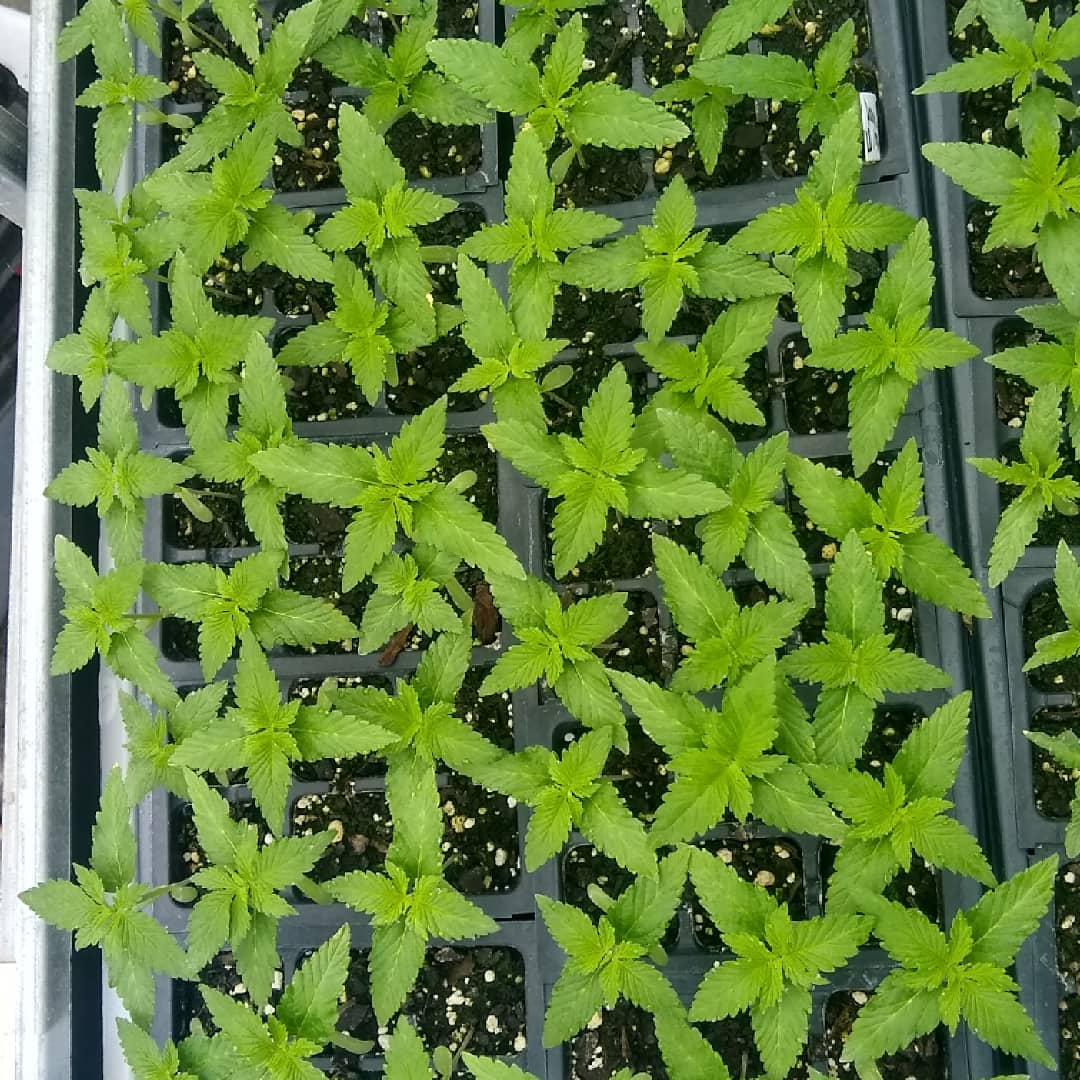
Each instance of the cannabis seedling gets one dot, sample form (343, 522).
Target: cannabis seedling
(606, 960)
(571, 792)
(894, 352)
(1037, 194)
(421, 717)
(249, 101)
(533, 236)
(411, 901)
(857, 664)
(754, 526)
(90, 352)
(778, 960)
(240, 899)
(710, 375)
(1049, 363)
(117, 476)
(99, 620)
(903, 814)
(382, 216)
(389, 489)
(1039, 475)
(823, 224)
(263, 736)
(245, 600)
(1028, 50)
(399, 81)
(214, 210)
(599, 472)
(669, 261)
(302, 1024)
(264, 424)
(118, 91)
(556, 643)
(726, 762)
(730, 27)
(822, 93)
(365, 333)
(508, 362)
(596, 114)
(105, 907)
(196, 357)
(153, 739)
(726, 639)
(963, 976)
(890, 527)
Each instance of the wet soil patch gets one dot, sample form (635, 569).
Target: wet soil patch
(599, 175)
(625, 551)
(220, 974)
(313, 165)
(592, 320)
(232, 290)
(180, 64)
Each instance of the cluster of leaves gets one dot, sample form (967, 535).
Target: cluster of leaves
(739, 745)
(1035, 197)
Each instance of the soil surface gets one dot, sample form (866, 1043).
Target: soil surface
(1042, 616)
(774, 863)
(480, 836)
(1054, 784)
(221, 974)
(474, 995)
(1011, 393)
(924, 1059)
(1066, 914)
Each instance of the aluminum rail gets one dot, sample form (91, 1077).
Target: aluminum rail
(36, 960)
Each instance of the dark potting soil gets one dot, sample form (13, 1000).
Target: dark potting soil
(901, 616)
(564, 406)
(426, 150)
(186, 854)
(1042, 616)
(592, 320)
(640, 774)
(1066, 915)
(810, 23)
(610, 44)
(232, 290)
(322, 392)
(584, 866)
(815, 399)
(472, 997)
(1013, 394)
(773, 863)
(599, 175)
(228, 529)
(1003, 273)
(180, 64)
(1053, 783)
(818, 545)
(221, 974)
(925, 1058)
(625, 551)
(624, 1037)
(295, 296)
(314, 164)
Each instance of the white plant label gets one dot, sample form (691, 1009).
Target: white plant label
(868, 106)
